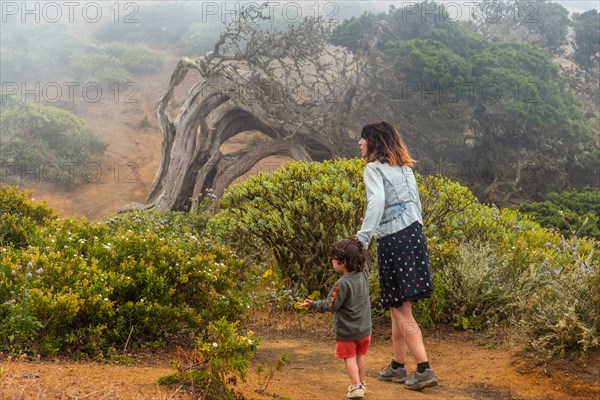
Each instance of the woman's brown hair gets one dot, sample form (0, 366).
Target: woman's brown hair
(384, 144)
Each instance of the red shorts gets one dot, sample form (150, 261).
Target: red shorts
(351, 349)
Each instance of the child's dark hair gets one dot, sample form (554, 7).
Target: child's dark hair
(351, 252)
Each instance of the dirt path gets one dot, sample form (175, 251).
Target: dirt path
(466, 370)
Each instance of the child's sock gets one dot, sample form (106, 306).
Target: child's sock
(397, 365)
(421, 367)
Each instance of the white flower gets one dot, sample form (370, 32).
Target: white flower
(215, 344)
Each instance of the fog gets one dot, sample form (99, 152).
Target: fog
(108, 63)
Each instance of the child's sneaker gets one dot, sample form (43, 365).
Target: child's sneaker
(364, 386)
(421, 380)
(356, 391)
(396, 375)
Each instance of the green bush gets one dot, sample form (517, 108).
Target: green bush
(562, 316)
(84, 288)
(20, 216)
(351, 32)
(38, 138)
(206, 368)
(298, 212)
(573, 213)
(139, 60)
(114, 63)
(486, 262)
(475, 292)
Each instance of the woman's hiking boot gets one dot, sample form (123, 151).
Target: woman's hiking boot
(421, 380)
(396, 375)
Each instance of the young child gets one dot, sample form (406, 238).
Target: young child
(349, 301)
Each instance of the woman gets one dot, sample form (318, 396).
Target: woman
(393, 217)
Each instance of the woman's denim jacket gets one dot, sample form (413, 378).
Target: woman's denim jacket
(392, 200)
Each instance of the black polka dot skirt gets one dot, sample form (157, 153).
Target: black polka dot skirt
(404, 269)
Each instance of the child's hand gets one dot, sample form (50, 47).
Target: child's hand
(305, 303)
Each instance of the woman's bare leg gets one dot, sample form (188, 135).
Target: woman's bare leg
(409, 331)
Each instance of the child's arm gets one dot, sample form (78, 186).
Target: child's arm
(335, 299)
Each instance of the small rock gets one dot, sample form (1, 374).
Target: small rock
(30, 375)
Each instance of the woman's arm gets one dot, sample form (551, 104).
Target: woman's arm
(375, 204)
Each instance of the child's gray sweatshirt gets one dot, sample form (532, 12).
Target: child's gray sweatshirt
(349, 301)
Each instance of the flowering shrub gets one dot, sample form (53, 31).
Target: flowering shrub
(20, 217)
(83, 287)
(74, 286)
(473, 286)
(559, 313)
(206, 368)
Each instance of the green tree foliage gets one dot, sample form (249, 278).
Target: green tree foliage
(36, 136)
(587, 45)
(443, 84)
(570, 212)
(541, 23)
(351, 32)
(535, 124)
(552, 25)
(298, 212)
(428, 60)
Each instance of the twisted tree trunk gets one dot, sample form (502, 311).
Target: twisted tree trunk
(191, 158)
(285, 85)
